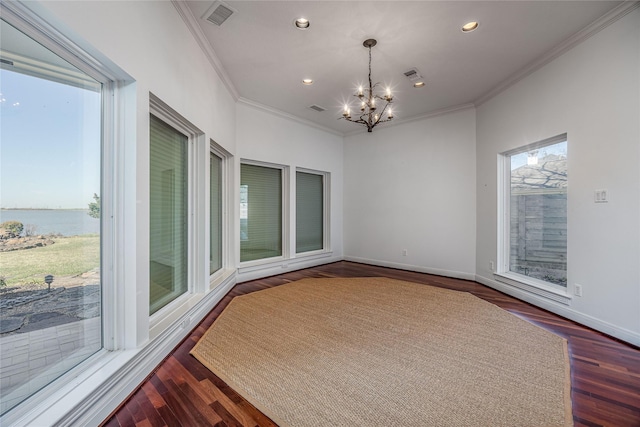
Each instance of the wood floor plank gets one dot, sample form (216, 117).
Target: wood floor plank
(605, 373)
(149, 410)
(231, 407)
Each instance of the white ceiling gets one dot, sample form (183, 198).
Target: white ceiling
(266, 57)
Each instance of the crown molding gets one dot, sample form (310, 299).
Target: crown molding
(430, 115)
(192, 23)
(579, 37)
(291, 117)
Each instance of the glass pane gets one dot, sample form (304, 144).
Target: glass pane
(168, 215)
(50, 140)
(260, 212)
(215, 261)
(309, 212)
(538, 223)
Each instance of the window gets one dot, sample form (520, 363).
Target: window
(535, 212)
(168, 222)
(310, 212)
(50, 181)
(215, 219)
(261, 219)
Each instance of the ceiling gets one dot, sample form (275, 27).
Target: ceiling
(265, 57)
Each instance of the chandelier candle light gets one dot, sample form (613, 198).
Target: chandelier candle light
(369, 116)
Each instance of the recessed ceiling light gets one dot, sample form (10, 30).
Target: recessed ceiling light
(418, 84)
(301, 23)
(469, 26)
(307, 81)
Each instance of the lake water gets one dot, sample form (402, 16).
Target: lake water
(68, 222)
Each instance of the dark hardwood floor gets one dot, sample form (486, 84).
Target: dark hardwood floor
(605, 373)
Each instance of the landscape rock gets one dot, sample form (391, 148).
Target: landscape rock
(28, 242)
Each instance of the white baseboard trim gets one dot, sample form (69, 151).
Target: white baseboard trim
(96, 396)
(410, 267)
(563, 310)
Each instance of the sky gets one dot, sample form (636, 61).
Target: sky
(49, 143)
(520, 159)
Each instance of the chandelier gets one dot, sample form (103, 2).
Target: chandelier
(372, 112)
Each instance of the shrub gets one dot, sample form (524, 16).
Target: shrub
(94, 207)
(30, 229)
(13, 228)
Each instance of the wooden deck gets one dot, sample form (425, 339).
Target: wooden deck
(605, 373)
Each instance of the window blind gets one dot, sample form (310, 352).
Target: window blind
(168, 218)
(309, 212)
(261, 212)
(215, 259)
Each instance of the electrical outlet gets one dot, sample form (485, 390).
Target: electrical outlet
(491, 266)
(404, 252)
(577, 290)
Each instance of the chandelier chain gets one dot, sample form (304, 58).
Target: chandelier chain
(369, 117)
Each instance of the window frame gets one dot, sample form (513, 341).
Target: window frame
(186, 163)
(38, 68)
(164, 316)
(285, 204)
(113, 236)
(226, 176)
(326, 214)
(503, 274)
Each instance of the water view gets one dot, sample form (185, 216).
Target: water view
(67, 222)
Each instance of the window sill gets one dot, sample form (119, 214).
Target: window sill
(534, 286)
(281, 262)
(261, 264)
(304, 256)
(219, 277)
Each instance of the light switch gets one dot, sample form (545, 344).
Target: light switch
(600, 196)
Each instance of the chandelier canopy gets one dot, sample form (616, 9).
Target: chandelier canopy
(372, 112)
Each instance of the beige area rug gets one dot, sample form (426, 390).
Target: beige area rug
(383, 352)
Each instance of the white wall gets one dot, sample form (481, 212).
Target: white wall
(268, 137)
(412, 186)
(592, 93)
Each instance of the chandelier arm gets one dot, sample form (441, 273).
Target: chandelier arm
(384, 109)
(359, 121)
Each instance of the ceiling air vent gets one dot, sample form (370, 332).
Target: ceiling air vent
(219, 13)
(6, 61)
(317, 108)
(413, 75)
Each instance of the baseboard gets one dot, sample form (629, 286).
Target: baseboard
(563, 310)
(410, 267)
(94, 398)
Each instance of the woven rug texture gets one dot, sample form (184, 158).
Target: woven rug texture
(384, 352)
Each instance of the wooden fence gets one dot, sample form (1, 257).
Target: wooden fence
(539, 234)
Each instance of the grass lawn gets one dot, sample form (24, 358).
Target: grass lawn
(68, 256)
